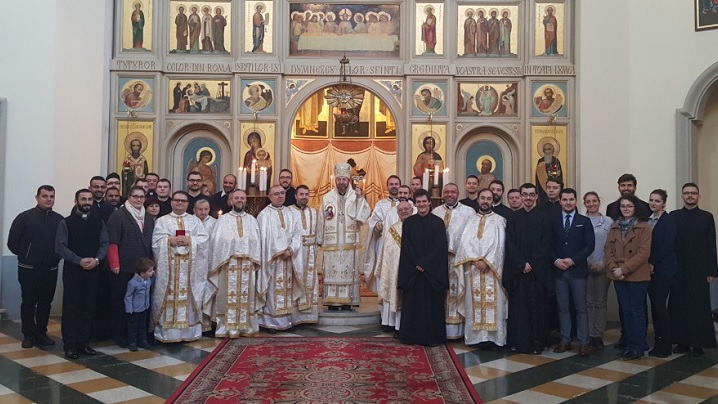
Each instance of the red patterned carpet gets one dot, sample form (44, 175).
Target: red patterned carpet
(327, 370)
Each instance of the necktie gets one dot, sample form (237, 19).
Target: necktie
(567, 224)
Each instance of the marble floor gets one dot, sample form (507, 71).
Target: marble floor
(150, 376)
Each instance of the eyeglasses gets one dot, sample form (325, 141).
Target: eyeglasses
(284, 177)
(137, 196)
(627, 206)
(180, 200)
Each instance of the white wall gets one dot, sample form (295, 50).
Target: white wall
(636, 65)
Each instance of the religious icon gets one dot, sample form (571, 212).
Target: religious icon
(219, 22)
(258, 96)
(210, 96)
(549, 29)
(485, 160)
(136, 94)
(204, 162)
(429, 99)
(134, 152)
(487, 32)
(428, 146)
(487, 99)
(706, 14)
(550, 150)
(137, 26)
(549, 99)
(258, 140)
(431, 29)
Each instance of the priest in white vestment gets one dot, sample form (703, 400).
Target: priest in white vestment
(234, 260)
(388, 269)
(179, 245)
(305, 220)
(480, 261)
(201, 210)
(375, 230)
(277, 284)
(342, 213)
(455, 216)
(392, 215)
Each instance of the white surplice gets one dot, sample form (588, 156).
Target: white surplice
(277, 284)
(485, 306)
(375, 239)
(180, 279)
(234, 259)
(388, 273)
(307, 310)
(455, 218)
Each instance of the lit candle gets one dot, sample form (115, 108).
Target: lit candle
(331, 182)
(446, 176)
(244, 179)
(253, 174)
(262, 179)
(425, 179)
(436, 176)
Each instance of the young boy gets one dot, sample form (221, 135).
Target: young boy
(137, 304)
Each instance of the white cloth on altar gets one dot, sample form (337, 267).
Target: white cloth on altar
(277, 284)
(307, 309)
(180, 279)
(485, 305)
(455, 219)
(388, 274)
(234, 259)
(375, 239)
(338, 232)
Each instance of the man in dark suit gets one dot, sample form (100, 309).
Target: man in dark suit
(572, 243)
(627, 186)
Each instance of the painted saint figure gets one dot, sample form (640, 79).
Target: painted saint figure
(550, 29)
(134, 166)
(195, 27)
(205, 167)
(258, 22)
(181, 34)
(505, 33)
(138, 26)
(428, 158)
(492, 26)
(547, 168)
(469, 33)
(218, 24)
(257, 153)
(487, 100)
(428, 31)
(206, 32)
(482, 33)
(134, 98)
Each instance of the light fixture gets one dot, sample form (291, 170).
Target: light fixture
(345, 97)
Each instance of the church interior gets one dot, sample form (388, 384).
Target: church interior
(414, 88)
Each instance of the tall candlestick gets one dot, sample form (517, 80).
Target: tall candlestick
(446, 176)
(253, 174)
(425, 179)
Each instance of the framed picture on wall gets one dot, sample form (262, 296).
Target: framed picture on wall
(706, 14)
(549, 151)
(134, 151)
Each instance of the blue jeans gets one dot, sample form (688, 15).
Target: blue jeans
(567, 288)
(632, 306)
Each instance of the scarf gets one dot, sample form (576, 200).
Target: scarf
(626, 225)
(137, 214)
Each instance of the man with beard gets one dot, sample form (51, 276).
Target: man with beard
(376, 228)
(343, 211)
(285, 180)
(194, 190)
(387, 271)
(221, 204)
(526, 275)
(304, 260)
(690, 304)
(472, 193)
(179, 243)
(181, 32)
(627, 186)
(415, 185)
(134, 166)
(548, 167)
(486, 176)
(164, 191)
(230, 298)
(100, 206)
(113, 197)
(81, 241)
(455, 216)
(277, 284)
(479, 263)
(423, 276)
(497, 189)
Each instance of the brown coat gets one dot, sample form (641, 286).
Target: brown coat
(631, 254)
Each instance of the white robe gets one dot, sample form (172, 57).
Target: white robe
(234, 259)
(277, 284)
(307, 310)
(388, 273)
(338, 233)
(209, 224)
(374, 240)
(180, 279)
(455, 218)
(485, 304)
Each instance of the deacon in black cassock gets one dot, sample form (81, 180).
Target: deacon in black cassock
(423, 276)
(526, 275)
(690, 306)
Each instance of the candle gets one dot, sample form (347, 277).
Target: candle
(243, 185)
(436, 176)
(262, 179)
(425, 179)
(253, 174)
(331, 182)
(446, 176)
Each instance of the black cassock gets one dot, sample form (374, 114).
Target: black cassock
(423, 315)
(690, 303)
(528, 237)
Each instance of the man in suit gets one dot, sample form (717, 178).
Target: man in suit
(572, 243)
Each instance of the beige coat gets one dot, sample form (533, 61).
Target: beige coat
(631, 254)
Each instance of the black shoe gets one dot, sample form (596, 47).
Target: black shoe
(346, 307)
(72, 354)
(333, 308)
(132, 347)
(144, 345)
(680, 348)
(271, 331)
(631, 356)
(43, 340)
(28, 342)
(88, 351)
(697, 352)
(620, 345)
(121, 343)
(623, 354)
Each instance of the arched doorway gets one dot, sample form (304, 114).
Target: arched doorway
(364, 136)
(201, 148)
(492, 144)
